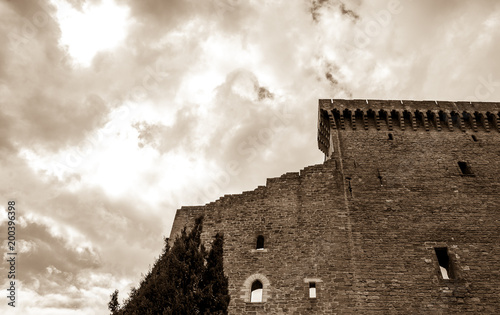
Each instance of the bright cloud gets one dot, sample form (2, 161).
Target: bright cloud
(93, 28)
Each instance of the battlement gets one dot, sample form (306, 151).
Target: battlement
(186, 215)
(389, 115)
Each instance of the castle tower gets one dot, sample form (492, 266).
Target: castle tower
(402, 217)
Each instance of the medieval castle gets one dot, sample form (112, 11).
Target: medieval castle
(403, 217)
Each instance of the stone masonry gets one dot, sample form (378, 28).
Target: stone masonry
(402, 181)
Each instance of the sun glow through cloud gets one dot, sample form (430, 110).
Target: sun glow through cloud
(95, 28)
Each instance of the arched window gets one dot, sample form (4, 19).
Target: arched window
(256, 289)
(256, 293)
(260, 242)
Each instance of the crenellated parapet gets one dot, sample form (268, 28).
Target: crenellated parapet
(409, 116)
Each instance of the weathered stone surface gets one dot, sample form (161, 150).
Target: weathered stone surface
(365, 223)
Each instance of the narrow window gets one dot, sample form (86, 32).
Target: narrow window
(444, 262)
(312, 290)
(465, 168)
(256, 295)
(474, 138)
(260, 242)
(391, 137)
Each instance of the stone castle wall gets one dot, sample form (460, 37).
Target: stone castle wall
(363, 225)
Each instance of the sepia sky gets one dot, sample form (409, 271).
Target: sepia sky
(115, 113)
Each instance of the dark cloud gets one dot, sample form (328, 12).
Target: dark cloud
(264, 93)
(161, 16)
(317, 5)
(50, 265)
(330, 78)
(166, 138)
(44, 250)
(348, 12)
(62, 121)
(5, 125)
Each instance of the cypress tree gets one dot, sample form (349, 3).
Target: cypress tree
(185, 279)
(215, 284)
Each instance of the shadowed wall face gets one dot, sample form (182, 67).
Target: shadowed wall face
(401, 218)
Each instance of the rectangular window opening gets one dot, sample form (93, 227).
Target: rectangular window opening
(465, 168)
(312, 290)
(445, 266)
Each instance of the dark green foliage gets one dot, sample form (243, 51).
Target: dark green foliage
(184, 280)
(214, 282)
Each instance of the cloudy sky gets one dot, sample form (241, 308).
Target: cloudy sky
(115, 113)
